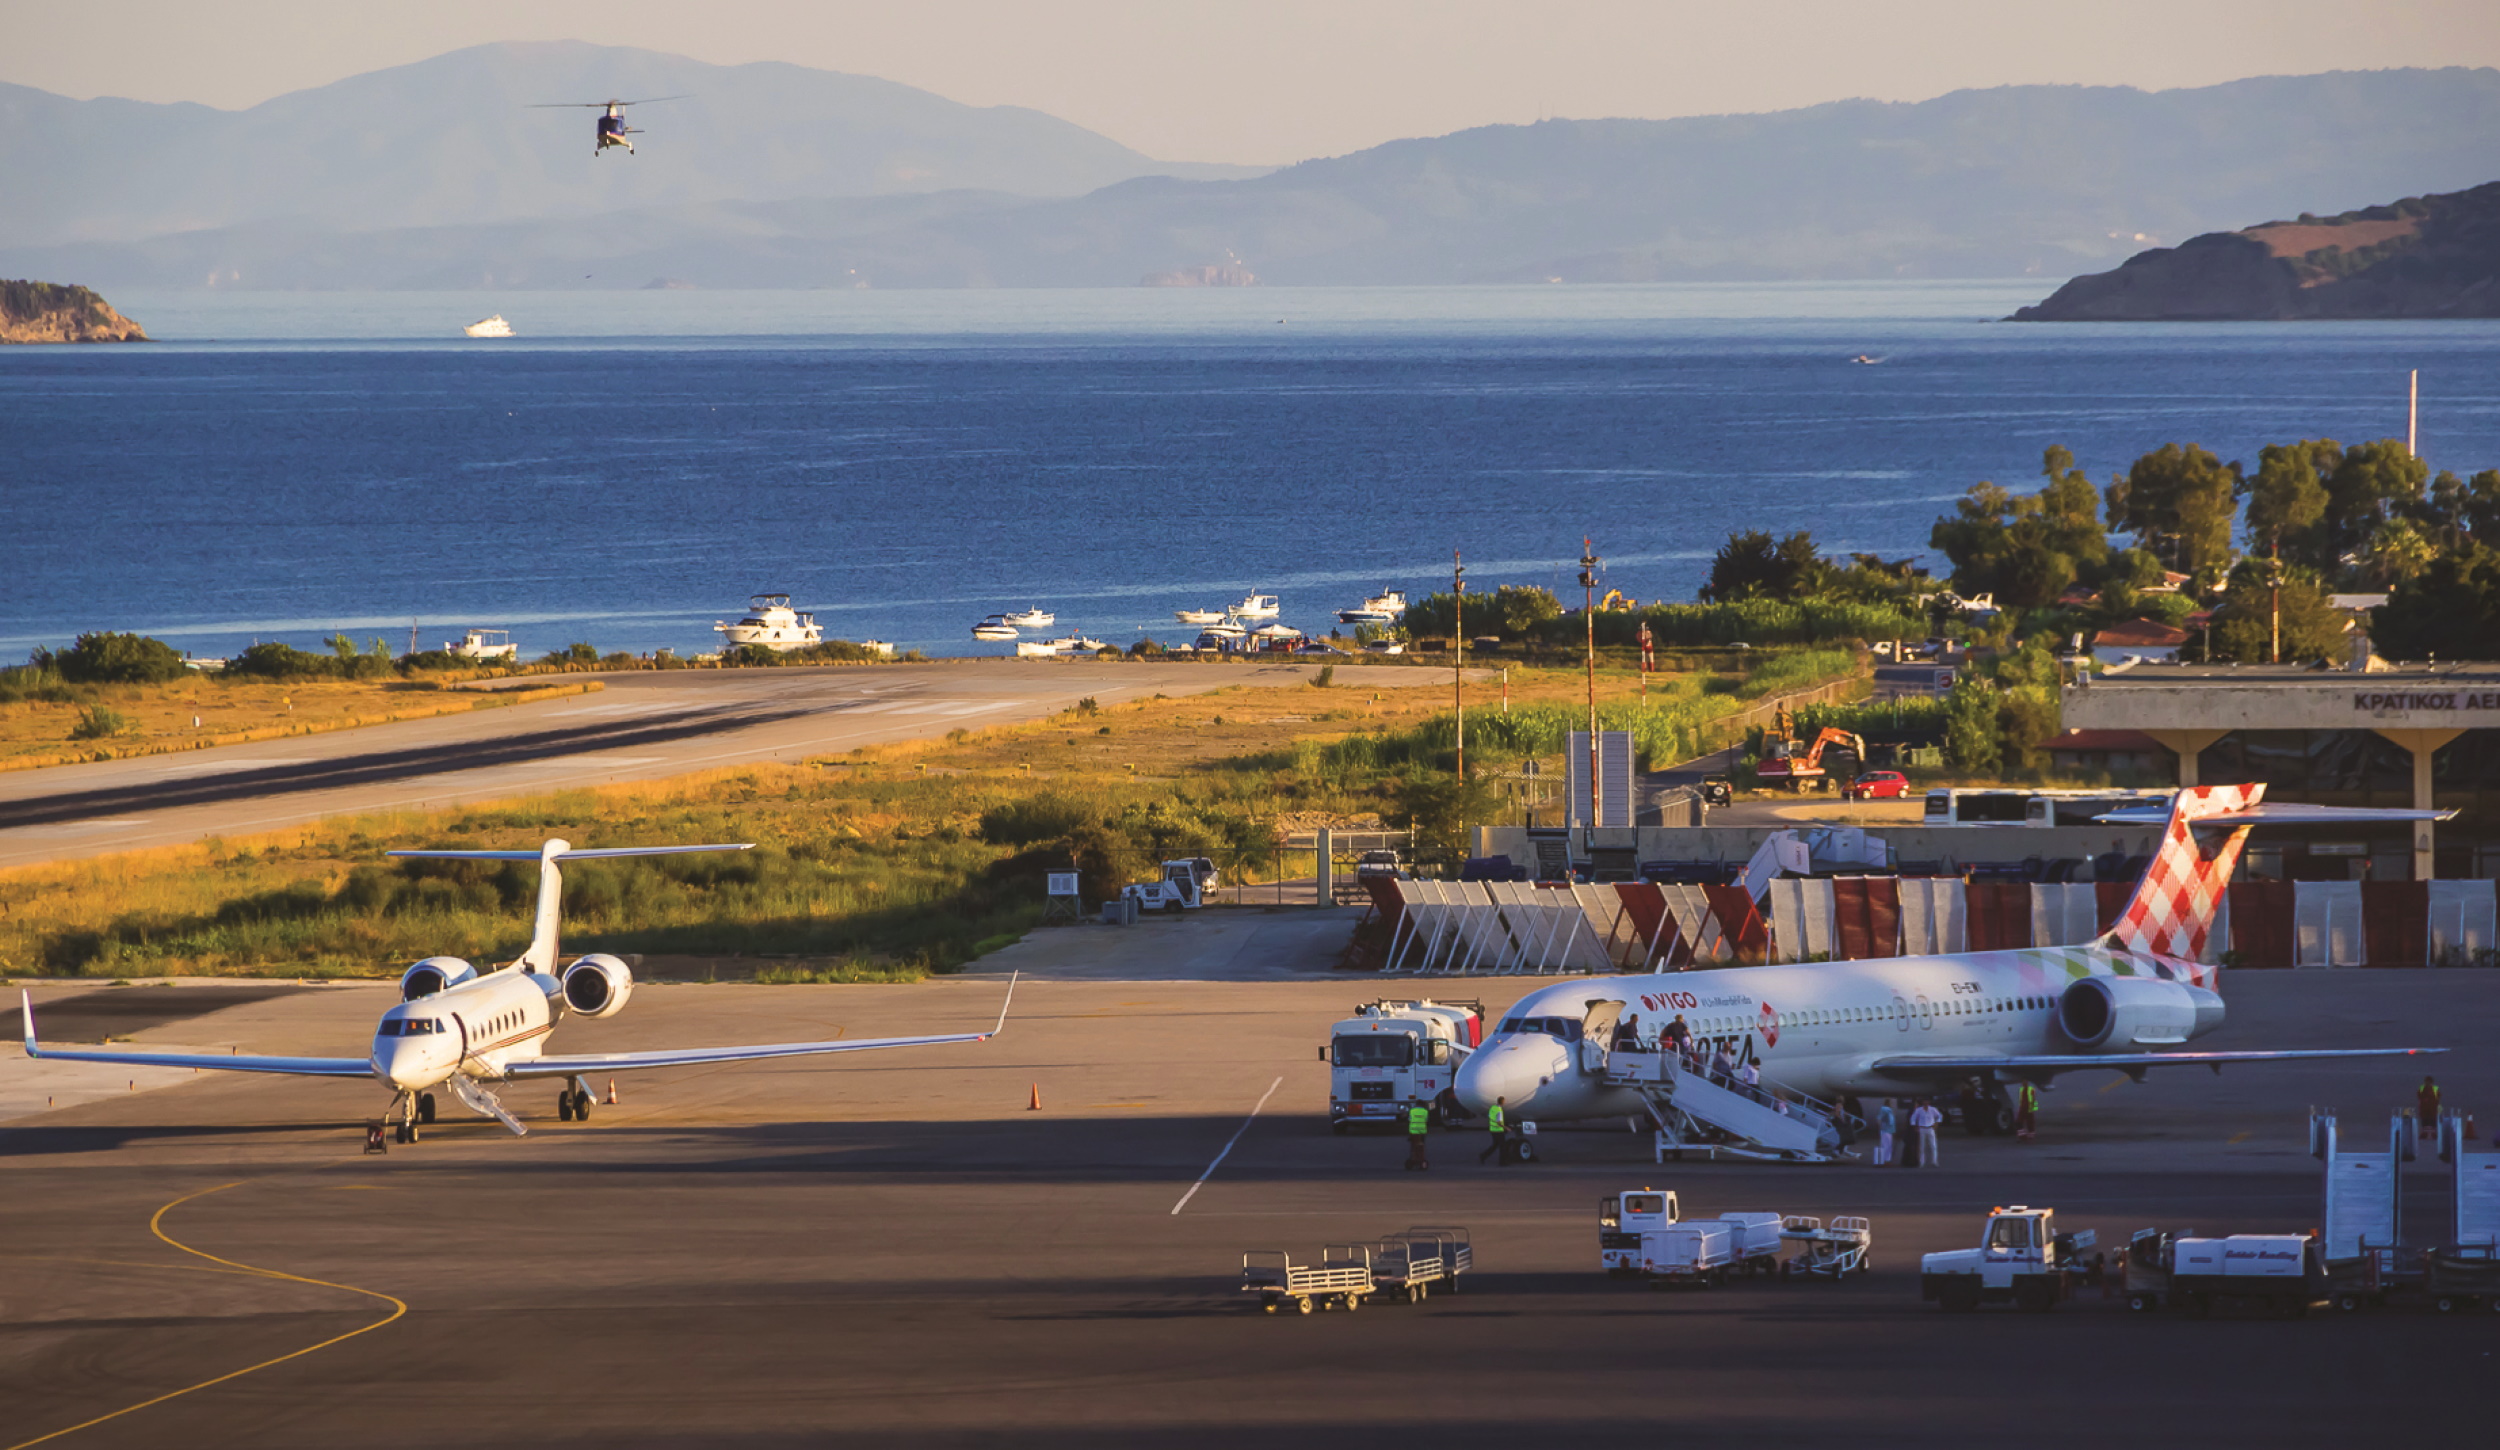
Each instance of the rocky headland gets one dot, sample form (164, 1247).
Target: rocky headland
(49, 312)
(2425, 256)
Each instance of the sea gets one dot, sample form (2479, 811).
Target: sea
(631, 466)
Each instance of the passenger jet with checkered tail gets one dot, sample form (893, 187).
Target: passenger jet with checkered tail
(458, 1027)
(1899, 1026)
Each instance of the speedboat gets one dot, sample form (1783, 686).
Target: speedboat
(493, 326)
(1085, 642)
(1257, 606)
(994, 627)
(1386, 607)
(1199, 616)
(1226, 628)
(773, 624)
(1032, 619)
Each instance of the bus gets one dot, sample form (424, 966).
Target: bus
(1957, 806)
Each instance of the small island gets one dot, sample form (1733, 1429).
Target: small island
(50, 312)
(2425, 256)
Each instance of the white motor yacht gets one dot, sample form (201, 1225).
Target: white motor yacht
(1226, 628)
(1257, 606)
(1043, 649)
(1090, 645)
(1032, 619)
(773, 624)
(1199, 616)
(994, 627)
(484, 644)
(1386, 607)
(883, 647)
(493, 326)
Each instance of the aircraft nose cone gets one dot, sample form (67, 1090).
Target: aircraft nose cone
(1512, 1069)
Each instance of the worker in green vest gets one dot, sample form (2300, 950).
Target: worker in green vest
(1496, 1122)
(2026, 1111)
(1418, 1123)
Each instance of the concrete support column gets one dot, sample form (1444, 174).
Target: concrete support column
(2423, 744)
(1325, 858)
(2187, 744)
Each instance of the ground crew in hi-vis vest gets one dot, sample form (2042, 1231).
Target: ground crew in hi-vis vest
(1418, 1123)
(2026, 1111)
(1496, 1122)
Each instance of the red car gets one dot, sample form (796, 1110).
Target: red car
(1878, 785)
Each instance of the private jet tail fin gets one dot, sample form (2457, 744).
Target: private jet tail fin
(541, 956)
(2172, 911)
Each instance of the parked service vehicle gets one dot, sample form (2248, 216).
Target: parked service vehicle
(1699, 1251)
(1623, 1219)
(1643, 1233)
(1878, 785)
(1392, 1053)
(1182, 887)
(2284, 1273)
(1833, 1252)
(2022, 1259)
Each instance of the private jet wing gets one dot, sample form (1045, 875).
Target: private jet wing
(2130, 1062)
(298, 1066)
(593, 1062)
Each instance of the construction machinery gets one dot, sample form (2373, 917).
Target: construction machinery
(1788, 763)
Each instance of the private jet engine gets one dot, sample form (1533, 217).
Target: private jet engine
(2121, 1013)
(597, 985)
(432, 975)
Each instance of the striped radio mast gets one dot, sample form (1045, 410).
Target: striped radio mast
(2413, 414)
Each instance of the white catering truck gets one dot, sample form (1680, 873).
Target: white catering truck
(1390, 1054)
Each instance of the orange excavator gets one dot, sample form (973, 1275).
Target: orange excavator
(1797, 766)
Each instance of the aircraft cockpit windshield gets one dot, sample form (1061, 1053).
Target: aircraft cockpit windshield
(412, 1027)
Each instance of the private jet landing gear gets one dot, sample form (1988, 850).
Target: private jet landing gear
(425, 1107)
(411, 1108)
(573, 1102)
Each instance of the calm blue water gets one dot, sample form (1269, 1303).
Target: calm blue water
(633, 466)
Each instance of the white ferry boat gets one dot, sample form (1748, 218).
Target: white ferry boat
(493, 326)
(773, 624)
(995, 627)
(1257, 606)
(1386, 607)
(1199, 616)
(484, 644)
(1032, 619)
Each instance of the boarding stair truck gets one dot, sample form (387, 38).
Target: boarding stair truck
(2021, 1260)
(1392, 1053)
(2363, 1218)
(1624, 1219)
(1182, 887)
(2464, 1272)
(1695, 1114)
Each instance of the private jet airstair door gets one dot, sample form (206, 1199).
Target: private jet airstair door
(1597, 1035)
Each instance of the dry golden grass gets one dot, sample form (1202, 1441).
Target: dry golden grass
(194, 713)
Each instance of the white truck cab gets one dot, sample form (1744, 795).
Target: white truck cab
(1622, 1221)
(2021, 1259)
(1182, 886)
(1390, 1054)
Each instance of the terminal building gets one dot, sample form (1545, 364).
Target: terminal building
(2425, 737)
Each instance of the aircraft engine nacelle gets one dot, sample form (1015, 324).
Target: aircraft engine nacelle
(597, 986)
(2122, 1013)
(432, 975)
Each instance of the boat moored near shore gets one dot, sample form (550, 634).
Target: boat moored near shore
(771, 623)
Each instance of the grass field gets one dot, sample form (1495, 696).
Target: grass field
(887, 862)
(99, 722)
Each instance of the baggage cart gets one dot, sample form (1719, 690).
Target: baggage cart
(1754, 1241)
(1696, 1251)
(1833, 1251)
(2462, 1280)
(1408, 1265)
(1278, 1281)
(2376, 1274)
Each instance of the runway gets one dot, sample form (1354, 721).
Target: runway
(642, 726)
(891, 1249)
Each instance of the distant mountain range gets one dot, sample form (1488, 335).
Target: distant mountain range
(433, 175)
(2424, 256)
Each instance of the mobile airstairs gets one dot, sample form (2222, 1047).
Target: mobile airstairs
(1696, 1113)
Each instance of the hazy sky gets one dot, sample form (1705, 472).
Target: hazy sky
(1279, 80)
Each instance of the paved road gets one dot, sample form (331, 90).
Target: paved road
(891, 1249)
(642, 726)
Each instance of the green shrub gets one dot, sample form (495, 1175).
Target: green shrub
(117, 659)
(276, 661)
(1035, 818)
(99, 722)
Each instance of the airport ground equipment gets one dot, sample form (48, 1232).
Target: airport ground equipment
(1406, 1265)
(2021, 1259)
(1622, 1220)
(1699, 1251)
(1392, 1053)
(1343, 1277)
(1182, 887)
(2464, 1273)
(1826, 1251)
(1755, 1241)
(2362, 1218)
(1697, 1113)
(2283, 1273)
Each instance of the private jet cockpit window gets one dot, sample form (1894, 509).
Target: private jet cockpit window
(1376, 1049)
(412, 1027)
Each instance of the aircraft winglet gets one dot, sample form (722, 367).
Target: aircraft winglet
(1003, 1006)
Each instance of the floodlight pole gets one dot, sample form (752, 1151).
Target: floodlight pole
(1458, 656)
(2413, 414)
(1588, 614)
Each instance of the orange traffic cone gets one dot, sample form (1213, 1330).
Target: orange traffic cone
(611, 1091)
(1035, 1106)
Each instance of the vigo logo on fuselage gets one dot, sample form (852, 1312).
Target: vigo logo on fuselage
(1688, 1001)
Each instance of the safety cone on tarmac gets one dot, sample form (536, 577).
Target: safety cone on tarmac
(611, 1092)
(1035, 1106)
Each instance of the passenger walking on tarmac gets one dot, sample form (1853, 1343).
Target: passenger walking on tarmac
(1883, 1132)
(1925, 1117)
(2426, 1107)
(2026, 1111)
(1496, 1122)
(1418, 1123)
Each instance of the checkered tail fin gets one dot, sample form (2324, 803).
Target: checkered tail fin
(2172, 912)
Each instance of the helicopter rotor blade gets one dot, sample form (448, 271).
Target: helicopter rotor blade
(649, 101)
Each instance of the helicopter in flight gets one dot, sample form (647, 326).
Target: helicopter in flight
(612, 129)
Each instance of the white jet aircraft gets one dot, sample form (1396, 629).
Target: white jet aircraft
(459, 1027)
(1900, 1026)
